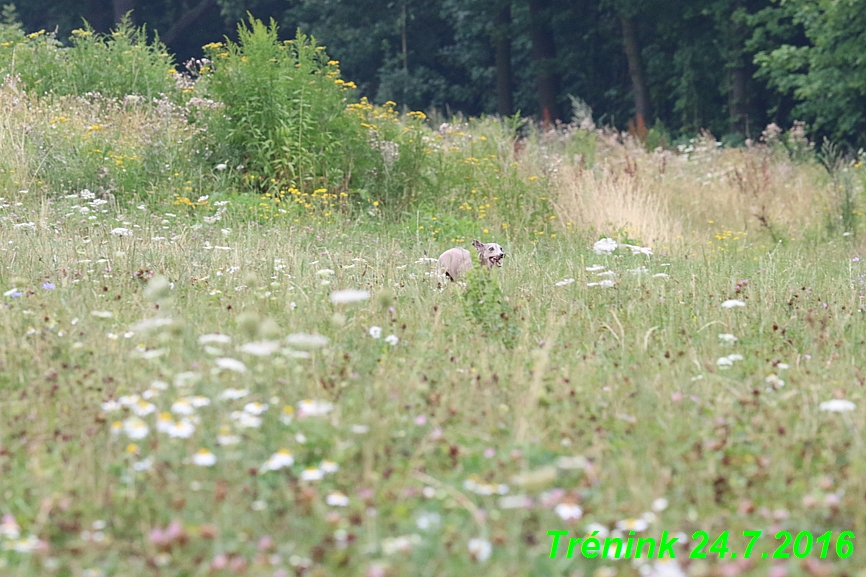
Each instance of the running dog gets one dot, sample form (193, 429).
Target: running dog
(456, 261)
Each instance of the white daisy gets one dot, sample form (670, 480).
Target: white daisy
(164, 422)
(337, 499)
(245, 419)
(234, 394)
(226, 438)
(310, 408)
(312, 474)
(568, 511)
(280, 459)
(182, 407)
(111, 406)
(143, 408)
(255, 408)
(135, 428)
(204, 458)
(183, 429)
(637, 525)
(375, 332)
(287, 414)
(392, 340)
(732, 303)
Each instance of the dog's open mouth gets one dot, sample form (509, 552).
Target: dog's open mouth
(497, 260)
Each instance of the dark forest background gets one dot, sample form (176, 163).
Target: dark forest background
(681, 66)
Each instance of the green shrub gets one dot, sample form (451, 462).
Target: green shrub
(290, 122)
(116, 64)
(285, 112)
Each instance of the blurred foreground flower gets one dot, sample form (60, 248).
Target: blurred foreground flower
(204, 458)
(349, 296)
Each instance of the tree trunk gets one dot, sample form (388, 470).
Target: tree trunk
(121, 8)
(739, 98)
(502, 41)
(635, 68)
(544, 55)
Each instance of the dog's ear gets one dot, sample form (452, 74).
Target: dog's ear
(479, 246)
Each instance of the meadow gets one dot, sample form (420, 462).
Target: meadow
(216, 362)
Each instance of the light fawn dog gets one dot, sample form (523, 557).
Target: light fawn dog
(456, 261)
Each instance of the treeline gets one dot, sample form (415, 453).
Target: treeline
(678, 66)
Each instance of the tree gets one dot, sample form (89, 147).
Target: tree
(628, 10)
(504, 76)
(812, 50)
(544, 56)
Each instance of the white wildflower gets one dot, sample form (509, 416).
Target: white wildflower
(375, 332)
(337, 499)
(182, 429)
(279, 460)
(637, 525)
(255, 408)
(311, 408)
(480, 549)
(261, 348)
(312, 474)
(230, 364)
(135, 428)
(428, 520)
(182, 407)
(605, 246)
(214, 338)
(143, 408)
(349, 296)
(304, 340)
(732, 303)
(837, 406)
(564, 282)
(392, 340)
(111, 406)
(204, 458)
(287, 414)
(728, 338)
(401, 544)
(245, 419)
(234, 394)
(568, 511)
(120, 231)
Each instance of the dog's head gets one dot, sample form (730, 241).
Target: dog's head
(490, 254)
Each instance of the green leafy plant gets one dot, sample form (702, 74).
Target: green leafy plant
(484, 304)
(116, 64)
(285, 110)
